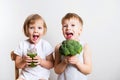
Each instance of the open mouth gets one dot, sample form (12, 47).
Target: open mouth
(69, 35)
(35, 37)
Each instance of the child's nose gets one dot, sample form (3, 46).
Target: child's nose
(68, 27)
(36, 30)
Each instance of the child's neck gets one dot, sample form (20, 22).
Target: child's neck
(34, 43)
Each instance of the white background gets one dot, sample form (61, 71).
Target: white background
(101, 30)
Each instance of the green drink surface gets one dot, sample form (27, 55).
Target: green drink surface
(32, 55)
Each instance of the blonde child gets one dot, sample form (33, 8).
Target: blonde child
(78, 66)
(34, 28)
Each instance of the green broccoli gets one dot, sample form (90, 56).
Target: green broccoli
(70, 48)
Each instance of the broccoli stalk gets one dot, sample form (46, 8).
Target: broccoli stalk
(70, 48)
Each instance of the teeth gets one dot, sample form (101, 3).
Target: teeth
(35, 36)
(69, 33)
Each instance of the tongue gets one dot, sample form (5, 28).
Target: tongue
(35, 38)
(69, 36)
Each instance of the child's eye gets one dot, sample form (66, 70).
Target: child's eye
(31, 27)
(39, 27)
(65, 26)
(73, 25)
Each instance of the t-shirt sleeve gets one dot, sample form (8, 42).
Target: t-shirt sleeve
(48, 49)
(19, 49)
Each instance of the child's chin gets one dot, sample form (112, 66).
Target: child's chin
(69, 38)
(34, 42)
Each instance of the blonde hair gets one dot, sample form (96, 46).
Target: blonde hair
(68, 16)
(31, 20)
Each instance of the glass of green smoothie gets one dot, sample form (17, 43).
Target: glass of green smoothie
(32, 53)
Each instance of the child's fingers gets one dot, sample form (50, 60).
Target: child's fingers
(74, 61)
(25, 57)
(37, 61)
(66, 61)
(28, 63)
(37, 57)
(28, 60)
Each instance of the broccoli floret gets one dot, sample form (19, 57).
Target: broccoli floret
(70, 48)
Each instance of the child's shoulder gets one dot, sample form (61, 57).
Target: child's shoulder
(24, 42)
(83, 42)
(58, 45)
(43, 41)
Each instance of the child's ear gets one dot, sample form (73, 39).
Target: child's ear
(80, 31)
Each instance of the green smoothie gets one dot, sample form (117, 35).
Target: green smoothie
(32, 55)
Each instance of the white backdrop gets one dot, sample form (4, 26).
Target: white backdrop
(101, 30)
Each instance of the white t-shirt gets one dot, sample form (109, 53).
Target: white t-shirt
(43, 49)
(71, 72)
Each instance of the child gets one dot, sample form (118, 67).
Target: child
(34, 28)
(78, 66)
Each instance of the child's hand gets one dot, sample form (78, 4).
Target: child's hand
(73, 60)
(27, 59)
(37, 60)
(65, 60)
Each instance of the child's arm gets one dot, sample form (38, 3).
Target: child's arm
(21, 62)
(46, 63)
(86, 66)
(60, 66)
